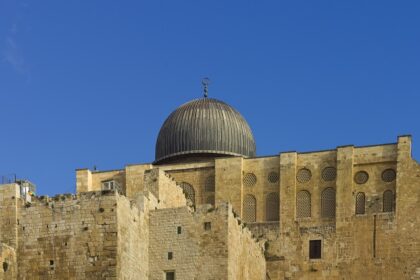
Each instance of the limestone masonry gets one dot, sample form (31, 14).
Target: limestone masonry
(207, 208)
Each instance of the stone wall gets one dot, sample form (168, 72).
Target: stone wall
(133, 239)
(8, 268)
(370, 245)
(197, 178)
(245, 253)
(69, 237)
(275, 261)
(228, 177)
(197, 253)
(134, 178)
(164, 188)
(267, 173)
(88, 181)
(204, 244)
(9, 202)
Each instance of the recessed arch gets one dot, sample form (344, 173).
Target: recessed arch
(303, 204)
(249, 208)
(360, 203)
(272, 207)
(328, 203)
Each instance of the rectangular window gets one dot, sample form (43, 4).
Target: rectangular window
(207, 226)
(314, 249)
(170, 255)
(108, 185)
(170, 275)
(179, 230)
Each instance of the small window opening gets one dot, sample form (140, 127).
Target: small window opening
(51, 264)
(207, 226)
(179, 230)
(5, 266)
(314, 249)
(170, 275)
(170, 255)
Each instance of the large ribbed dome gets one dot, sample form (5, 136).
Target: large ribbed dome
(204, 126)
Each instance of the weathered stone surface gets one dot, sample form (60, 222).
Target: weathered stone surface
(129, 233)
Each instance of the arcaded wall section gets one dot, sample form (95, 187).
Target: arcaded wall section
(265, 186)
(355, 243)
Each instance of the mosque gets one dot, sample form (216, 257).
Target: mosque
(208, 208)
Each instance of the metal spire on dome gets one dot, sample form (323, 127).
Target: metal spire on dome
(205, 82)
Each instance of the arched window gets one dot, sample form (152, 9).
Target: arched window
(388, 201)
(360, 203)
(210, 199)
(328, 203)
(249, 208)
(272, 205)
(188, 191)
(303, 204)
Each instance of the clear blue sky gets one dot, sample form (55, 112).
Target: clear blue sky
(86, 83)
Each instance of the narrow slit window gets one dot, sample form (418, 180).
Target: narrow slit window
(388, 201)
(272, 205)
(360, 203)
(328, 203)
(249, 208)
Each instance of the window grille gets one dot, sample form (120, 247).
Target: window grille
(329, 174)
(360, 203)
(388, 201)
(249, 208)
(209, 184)
(361, 177)
(328, 203)
(249, 179)
(389, 175)
(304, 175)
(272, 205)
(170, 275)
(188, 191)
(273, 177)
(303, 204)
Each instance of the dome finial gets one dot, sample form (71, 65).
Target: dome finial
(205, 82)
